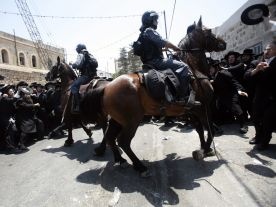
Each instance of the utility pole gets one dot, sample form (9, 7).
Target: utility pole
(165, 21)
(33, 31)
(15, 47)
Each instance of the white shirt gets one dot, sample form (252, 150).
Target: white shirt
(270, 59)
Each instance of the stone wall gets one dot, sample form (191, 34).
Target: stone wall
(14, 74)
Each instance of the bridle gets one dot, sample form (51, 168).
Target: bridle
(208, 38)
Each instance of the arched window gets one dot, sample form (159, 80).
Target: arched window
(34, 64)
(4, 56)
(21, 59)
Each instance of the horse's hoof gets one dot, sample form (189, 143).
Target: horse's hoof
(210, 153)
(68, 143)
(198, 155)
(145, 174)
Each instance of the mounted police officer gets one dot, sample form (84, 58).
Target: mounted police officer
(152, 45)
(87, 65)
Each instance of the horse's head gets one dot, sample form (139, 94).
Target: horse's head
(200, 38)
(54, 73)
(60, 69)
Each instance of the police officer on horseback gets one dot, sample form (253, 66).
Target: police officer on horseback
(150, 52)
(87, 65)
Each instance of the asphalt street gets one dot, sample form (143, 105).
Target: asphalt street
(56, 176)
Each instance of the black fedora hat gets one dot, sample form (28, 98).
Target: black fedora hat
(39, 85)
(21, 83)
(49, 84)
(254, 14)
(7, 88)
(231, 52)
(33, 84)
(248, 52)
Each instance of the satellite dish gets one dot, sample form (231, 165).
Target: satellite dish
(254, 14)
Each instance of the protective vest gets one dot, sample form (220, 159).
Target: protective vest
(146, 49)
(90, 65)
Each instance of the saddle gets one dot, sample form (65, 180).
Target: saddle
(93, 82)
(162, 85)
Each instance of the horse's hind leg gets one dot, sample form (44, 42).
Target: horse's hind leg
(110, 135)
(124, 141)
(87, 130)
(100, 150)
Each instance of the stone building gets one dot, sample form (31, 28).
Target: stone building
(240, 36)
(20, 61)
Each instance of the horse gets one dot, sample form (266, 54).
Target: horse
(126, 100)
(67, 76)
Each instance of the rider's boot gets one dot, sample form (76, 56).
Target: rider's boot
(75, 104)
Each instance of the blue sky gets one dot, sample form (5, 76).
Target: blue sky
(105, 36)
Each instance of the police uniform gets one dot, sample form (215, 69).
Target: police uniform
(152, 54)
(87, 74)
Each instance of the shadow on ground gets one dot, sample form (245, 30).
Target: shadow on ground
(179, 173)
(81, 150)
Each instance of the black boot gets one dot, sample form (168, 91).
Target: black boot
(75, 104)
(191, 101)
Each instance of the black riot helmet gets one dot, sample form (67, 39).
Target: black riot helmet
(80, 47)
(149, 19)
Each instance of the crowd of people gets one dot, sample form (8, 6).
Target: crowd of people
(27, 113)
(244, 86)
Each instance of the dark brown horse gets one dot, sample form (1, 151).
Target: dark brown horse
(66, 74)
(126, 100)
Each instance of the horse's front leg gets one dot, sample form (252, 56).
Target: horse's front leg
(69, 142)
(199, 154)
(208, 151)
(87, 130)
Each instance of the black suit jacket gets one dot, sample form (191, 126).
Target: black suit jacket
(265, 91)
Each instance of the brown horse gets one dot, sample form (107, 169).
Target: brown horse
(126, 100)
(66, 74)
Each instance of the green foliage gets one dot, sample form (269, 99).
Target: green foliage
(127, 62)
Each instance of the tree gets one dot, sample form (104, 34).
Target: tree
(127, 62)
(134, 61)
(123, 61)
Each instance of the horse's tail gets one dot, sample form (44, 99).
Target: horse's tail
(91, 105)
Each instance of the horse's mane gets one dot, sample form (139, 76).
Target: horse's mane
(70, 71)
(192, 53)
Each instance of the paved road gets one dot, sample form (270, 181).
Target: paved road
(52, 175)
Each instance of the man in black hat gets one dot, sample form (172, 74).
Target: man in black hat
(247, 58)
(232, 58)
(19, 85)
(7, 111)
(26, 120)
(264, 103)
(41, 98)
